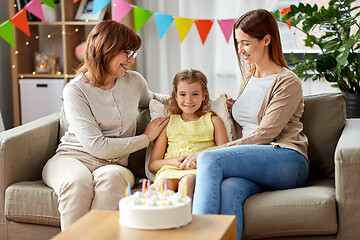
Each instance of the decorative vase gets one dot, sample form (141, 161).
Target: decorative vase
(352, 105)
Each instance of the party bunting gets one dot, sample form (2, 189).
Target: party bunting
(7, 33)
(34, 7)
(50, 3)
(100, 4)
(203, 27)
(141, 16)
(121, 9)
(183, 26)
(163, 23)
(226, 26)
(283, 12)
(21, 22)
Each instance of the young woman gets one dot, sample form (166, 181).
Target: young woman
(272, 151)
(191, 129)
(89, 170)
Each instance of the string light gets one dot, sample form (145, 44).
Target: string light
(37, 37)
(15, 6)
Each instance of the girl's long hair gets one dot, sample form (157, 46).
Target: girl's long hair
(257, 24)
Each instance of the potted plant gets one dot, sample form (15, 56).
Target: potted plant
(338, 41)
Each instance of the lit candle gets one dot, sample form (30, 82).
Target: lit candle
(126, 192)
(129, 187)
(148, 189)
(162, 189)
(143, 186)
(165, 190)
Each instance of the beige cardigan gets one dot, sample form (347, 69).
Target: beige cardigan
(279, 116)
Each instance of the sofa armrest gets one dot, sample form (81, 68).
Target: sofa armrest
(24, 151)
(347, 180)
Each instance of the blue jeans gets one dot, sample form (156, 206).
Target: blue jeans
(226, 177)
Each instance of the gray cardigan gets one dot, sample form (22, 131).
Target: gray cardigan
(102, 123)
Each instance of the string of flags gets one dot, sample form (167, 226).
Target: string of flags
(120, 10)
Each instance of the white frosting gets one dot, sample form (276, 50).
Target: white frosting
(158, 211)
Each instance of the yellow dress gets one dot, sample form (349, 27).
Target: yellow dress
(185, 138)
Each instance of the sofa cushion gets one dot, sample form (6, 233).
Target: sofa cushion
(310, 210)
(323, 119)
(32, 202)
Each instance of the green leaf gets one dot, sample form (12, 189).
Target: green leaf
(276, 14)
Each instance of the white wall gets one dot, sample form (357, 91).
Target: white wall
(5, 73)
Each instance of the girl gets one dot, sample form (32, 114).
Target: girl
(191, 129)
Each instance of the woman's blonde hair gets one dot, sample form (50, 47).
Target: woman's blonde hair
(257, 24)
(105, 41)
(190, 76)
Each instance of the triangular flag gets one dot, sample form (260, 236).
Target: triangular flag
(141, 16)
(203, 27)
(183, 26)
(21, 22)
(34, 7)
(7, 33)
(121, 9)
(226, 26)
(163, 23)
(50, 3)
(285, 10)
(100, 4)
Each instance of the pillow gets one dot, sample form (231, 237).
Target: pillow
(157, 109)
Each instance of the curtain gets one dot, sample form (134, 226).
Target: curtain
(159, 60)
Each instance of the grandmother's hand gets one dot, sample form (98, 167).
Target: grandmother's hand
(154, 128)
(190, 161)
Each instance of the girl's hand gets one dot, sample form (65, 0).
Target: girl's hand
(154, 128)
(190, 161)
(229, 101)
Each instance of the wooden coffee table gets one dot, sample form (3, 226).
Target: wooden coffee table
(104, 224)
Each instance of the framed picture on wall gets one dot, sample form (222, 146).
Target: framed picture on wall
(85, 11)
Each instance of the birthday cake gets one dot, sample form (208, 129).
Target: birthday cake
(155, 210)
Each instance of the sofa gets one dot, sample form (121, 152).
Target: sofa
(328, 207)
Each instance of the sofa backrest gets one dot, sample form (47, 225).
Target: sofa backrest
(324, 119)
(137, 159)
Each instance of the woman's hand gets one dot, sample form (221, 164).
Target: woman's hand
(229, 101)
(190, 161)
(154, 128)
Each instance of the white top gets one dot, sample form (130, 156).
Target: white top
(246, 108)
(102, 123)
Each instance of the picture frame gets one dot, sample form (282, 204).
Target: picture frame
(85, 11)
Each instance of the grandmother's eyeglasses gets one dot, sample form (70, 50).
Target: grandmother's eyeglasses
(131, 53)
